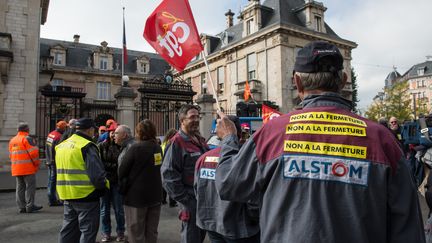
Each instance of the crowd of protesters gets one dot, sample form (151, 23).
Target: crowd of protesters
(279, 185)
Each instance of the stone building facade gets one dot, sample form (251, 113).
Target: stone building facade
(78, 79)
(20, 23)
(419, 78)
(95, 69)
(261, 48)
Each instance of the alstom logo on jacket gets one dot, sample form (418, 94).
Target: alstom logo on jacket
(326, 168)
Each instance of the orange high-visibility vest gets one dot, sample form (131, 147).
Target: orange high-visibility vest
(24, 156)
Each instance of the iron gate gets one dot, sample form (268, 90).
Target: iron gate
(161, 99)
(56, 103)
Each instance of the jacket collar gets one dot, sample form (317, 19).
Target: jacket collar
(81, 134)
(127, 142)
(187, 138)
(22, 133)
(326, 99)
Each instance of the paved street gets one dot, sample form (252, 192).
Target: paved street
(43, 227)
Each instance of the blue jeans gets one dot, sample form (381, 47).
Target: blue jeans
(80, 222)
(51, 187)
(114, 198)
(218, 238)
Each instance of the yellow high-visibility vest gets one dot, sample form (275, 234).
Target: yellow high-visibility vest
(72, 179)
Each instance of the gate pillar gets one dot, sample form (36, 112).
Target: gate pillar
(206, 101)
(125, 97)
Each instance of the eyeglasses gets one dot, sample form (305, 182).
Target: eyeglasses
(102, 131)
(393, 122)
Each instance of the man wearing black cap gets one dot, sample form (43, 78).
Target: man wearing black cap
(324, 174)
(80, 183)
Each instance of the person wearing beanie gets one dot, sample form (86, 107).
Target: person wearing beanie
(104, 136)
(110, 152)
(52, 140)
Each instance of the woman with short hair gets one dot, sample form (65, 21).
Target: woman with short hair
(142, 200)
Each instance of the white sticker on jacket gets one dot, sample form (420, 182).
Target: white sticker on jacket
(211, 159)
(206, 173)
(326, 168)
(195, 154)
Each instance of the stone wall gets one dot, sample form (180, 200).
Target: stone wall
(22, 20)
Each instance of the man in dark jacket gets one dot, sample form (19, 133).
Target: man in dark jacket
(224, 221)
(53, 139)
(110, 152)
(80, 183)
(324, 174)
(178, 171)
(123, 137)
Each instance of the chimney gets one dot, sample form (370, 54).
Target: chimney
(76, 38)
(229, 18)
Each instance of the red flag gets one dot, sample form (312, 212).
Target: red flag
(172, 32)
(247, 92)
(125, 55)
(269, 113)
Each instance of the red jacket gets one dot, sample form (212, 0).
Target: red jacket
(53, 139)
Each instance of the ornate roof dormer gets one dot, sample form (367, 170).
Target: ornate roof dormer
(103, 57)
(312, 15)
(251, 16)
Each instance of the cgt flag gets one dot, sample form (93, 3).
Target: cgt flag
(269, 113)
(172, 32)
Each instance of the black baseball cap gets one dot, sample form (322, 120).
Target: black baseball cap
(319, 56)
(85, 123)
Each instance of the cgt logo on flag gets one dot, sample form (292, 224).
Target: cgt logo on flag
(172, 32)
(269, 113)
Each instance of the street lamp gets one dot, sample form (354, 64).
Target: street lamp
(414, 103)
(125, 81)
(380, 97)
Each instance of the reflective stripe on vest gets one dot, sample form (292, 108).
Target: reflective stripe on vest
(17, 162)
(72, 179)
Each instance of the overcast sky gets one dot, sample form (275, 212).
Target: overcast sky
(388, 32)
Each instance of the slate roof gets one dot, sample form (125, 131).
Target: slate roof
(392, 77)
(274, 12)
(77, 54)
(412, 72)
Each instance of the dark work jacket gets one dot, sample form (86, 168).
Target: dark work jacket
(110, 152)
(323, 174)
(143, 172)
(231, 219)
(178, 169)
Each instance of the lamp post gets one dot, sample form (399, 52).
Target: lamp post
(381, 98)
(414, 104)
(125, 81)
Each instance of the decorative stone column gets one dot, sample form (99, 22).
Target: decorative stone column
(205, 102)
(125, 97)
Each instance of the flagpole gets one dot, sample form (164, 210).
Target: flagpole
(123, 50)
(211, 82)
